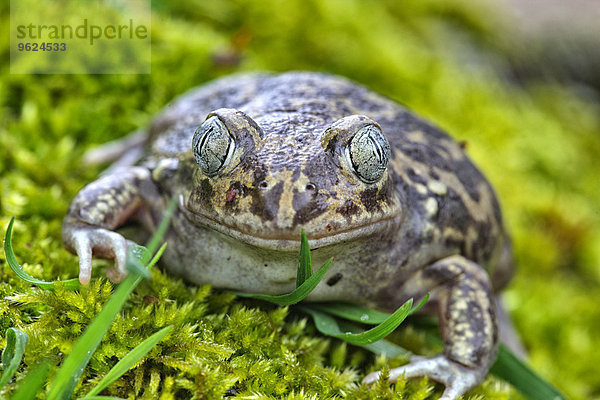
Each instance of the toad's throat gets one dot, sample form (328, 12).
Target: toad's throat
(283, 241)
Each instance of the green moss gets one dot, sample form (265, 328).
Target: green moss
(538, 144)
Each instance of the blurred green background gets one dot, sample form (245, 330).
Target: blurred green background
(525, 102)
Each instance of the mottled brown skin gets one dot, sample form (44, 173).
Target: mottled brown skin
(430, 224)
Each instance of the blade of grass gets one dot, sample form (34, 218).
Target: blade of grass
(297, 295)
(12, 354)
(158, 254)
(387, 348)
(304, 262)
(68, 375)
(103, 398)
(32, 384)
(71, 284)
(514, 371)
(70, 372)
(135, 253)
(507, 366)
(351, 312)
(382, 346)
(128, 361)
(328, 325)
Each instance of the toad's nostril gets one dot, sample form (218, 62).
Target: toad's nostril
(263, 185)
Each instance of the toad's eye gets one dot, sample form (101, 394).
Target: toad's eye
(369, 153)
(212, 146)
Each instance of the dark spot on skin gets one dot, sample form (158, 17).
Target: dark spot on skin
(308, 206)
(470, 177)
(265, 203)
(426, 155)
(329, 228)
(372, 198)
(368, 199)
(228, 258)
(348, 209)
(206, 191)
(332, 145)
(454, 213)
(463, 144)
(428, 237)
(266, 265)
(202, 194)
(334, 279)
(416, 177)
(441, 273)
(478, 246)
(453, 243)
(433, 175)
(484, 246)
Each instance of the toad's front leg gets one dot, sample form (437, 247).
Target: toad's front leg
(100, 207)
(461, 290)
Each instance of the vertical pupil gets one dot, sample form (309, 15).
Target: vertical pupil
(377, 148)
(202, 144)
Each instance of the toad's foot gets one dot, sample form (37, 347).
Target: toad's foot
(457, 378)
(85, 241)
(461, 291)
(101, 207)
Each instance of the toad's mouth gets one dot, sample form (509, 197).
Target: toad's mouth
(283, 241)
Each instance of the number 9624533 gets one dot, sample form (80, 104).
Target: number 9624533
(44, 46)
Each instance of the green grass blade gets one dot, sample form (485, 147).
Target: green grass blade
(158, 254)
(128, 361)
(297, 295)
(135, 255)
(72, 368)
(304, 262)
(102, 398)
(12, 354)
(352, 312)
(380, 347)
(32, 383)
(14, 265)
(514, 371)
(384, 347)
(507, 366)
(328, 325)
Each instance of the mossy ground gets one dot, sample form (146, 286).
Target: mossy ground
(538, 143)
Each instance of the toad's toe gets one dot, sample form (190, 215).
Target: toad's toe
(457, 378)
